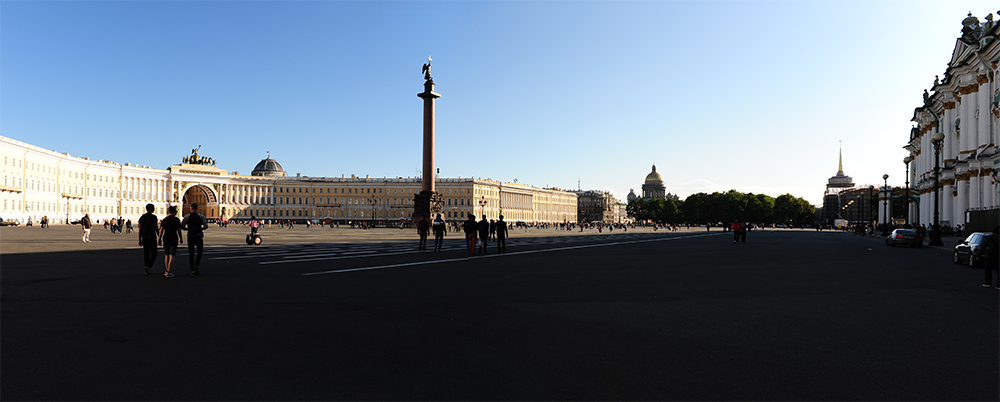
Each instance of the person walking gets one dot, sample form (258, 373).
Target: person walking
(87, 224)
(422, 228)
(195, 224)
(254, 224)
(148, 237)
(743, 232)
(471, 227)
(735, 227)
(484, 234)
(170, 237)
(501, 235)
(992, 258)
(440, 230)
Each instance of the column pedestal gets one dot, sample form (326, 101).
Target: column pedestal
(427, 204)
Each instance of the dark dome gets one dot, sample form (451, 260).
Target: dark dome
(268, 167)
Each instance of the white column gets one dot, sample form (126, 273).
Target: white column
(946, 203)
(990, 192)
(961, 204)
(973, 201)
(947, 127)
(983, 112)
(925, 208)
(968, 130)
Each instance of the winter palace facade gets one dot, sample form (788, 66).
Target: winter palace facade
(961, 111)
(40, 182)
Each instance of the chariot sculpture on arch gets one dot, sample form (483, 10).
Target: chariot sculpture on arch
(194, 159)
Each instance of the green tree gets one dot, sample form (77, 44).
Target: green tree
(760, 208)
(785, 209)
(696, 207)
(638, 209)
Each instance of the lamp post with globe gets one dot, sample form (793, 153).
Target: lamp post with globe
(885, 206)
(907, 161)
(871, 209)
(935, 232)
(482, 204)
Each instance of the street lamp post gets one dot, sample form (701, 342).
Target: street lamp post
(871, 213)
(935, 232)
(907, 161)
(885, 207)
(482, 204)
(850, 213)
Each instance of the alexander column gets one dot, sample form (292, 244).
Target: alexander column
(428, 202)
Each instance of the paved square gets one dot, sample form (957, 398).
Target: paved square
(328, 314)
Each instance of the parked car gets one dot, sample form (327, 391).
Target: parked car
(972, 250)
(10, 222)
(904, 237)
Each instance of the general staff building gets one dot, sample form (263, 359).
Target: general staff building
(40, 182)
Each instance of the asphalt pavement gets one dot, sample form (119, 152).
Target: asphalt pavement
(643, 315)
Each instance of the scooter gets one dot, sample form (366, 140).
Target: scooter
(254, 239)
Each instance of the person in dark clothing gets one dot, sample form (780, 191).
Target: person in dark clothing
(470, 227)
(147, 237)
(170, 237)
(87, 224)
(195, 224)
(501, 235)
(484, 234)
(992, 258)
(440, 230)
(422, 228)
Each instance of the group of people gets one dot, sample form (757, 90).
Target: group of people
(194, 223)
(166, 233)
(739, 231)
(477, 234)
(117, 225)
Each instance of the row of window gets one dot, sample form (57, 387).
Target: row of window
(49, 169)
(54, 208)
(366, 190)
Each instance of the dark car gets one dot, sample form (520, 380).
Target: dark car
(908, 237)
(972, 250)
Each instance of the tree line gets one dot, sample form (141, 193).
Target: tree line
(702, 208)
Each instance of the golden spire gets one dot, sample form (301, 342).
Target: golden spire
(840, 168)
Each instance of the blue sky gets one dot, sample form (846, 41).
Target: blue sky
(745, 95)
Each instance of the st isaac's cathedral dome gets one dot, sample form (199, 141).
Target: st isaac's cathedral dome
(268, 167)
(653, 177)
(653, 186)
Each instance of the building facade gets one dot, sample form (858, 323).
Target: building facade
(597, 206)
(832, 203)
(963, 109)
(852, 203)
(40, 182)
